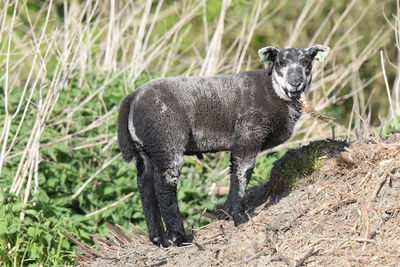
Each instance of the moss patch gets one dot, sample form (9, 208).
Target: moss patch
(291, 170)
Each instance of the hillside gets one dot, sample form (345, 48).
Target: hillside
(346, 212)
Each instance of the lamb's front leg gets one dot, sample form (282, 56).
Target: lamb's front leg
(241, 169)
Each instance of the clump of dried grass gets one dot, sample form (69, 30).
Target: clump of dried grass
(312, 112)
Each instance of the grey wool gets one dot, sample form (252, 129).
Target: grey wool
(243, 113)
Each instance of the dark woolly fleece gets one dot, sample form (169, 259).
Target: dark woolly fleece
(172, 117)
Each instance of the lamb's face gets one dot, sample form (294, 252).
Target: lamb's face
(291, 69)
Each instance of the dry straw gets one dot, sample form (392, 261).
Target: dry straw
(312, 112)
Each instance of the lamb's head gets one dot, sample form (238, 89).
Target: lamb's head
(291, 68)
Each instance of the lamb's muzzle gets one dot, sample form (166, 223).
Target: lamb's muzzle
(243, 113)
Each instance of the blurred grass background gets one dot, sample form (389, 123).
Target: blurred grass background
(66, 65)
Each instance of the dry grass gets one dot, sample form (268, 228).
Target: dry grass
(312, 112)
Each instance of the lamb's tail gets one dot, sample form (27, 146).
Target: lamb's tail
(124, 137)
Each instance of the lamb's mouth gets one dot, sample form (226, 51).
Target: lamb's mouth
(293, 94)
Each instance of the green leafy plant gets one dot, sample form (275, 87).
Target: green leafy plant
(263, 167)
(389, 126)
(32, 233)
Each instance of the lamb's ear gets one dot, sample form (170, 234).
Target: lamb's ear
(268, 53)
(319, 52)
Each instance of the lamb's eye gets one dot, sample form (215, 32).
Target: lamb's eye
(308, 71)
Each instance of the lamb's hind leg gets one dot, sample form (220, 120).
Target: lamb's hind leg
(151, 209)
(166, 178)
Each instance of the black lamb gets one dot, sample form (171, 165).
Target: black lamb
(243, 113)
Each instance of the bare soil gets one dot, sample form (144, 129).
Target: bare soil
(346, 213)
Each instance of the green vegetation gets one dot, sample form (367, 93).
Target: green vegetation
(296, 169)
(66, 65)
(38, 237)
(391, 124)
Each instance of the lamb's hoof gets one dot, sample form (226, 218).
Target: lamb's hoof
(179, 239)
(227, 213)
(240, 218)
(159, 241)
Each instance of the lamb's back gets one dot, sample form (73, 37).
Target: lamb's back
(199, 97)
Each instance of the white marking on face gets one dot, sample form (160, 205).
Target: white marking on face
(277, 83)
(281, 82)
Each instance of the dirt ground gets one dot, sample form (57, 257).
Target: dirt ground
(346, 213)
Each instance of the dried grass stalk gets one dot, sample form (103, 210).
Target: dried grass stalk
(314, 113)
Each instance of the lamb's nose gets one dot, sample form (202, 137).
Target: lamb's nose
(295, 84)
